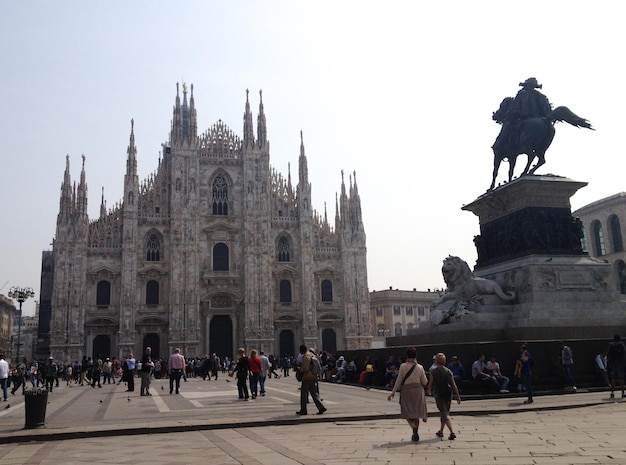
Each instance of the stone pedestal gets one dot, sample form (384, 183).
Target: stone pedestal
(530, 244)
(528, 216)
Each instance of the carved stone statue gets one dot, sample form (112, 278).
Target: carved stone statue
(465, 291)
(528, 128)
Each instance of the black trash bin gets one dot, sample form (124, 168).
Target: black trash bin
(35, 402)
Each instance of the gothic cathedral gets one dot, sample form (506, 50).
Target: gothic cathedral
(214, 251)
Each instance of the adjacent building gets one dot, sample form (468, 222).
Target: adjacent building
(7, 315)
(398, 313)
(603, 234)
(215, 250)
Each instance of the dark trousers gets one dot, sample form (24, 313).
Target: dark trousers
(242, 386)
(49, 383)
(130, 379)
(175, 378)
(308, 387)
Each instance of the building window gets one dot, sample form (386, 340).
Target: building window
(285, 291)
(284, 252)
(421, 311)
(220, 196)
(398, 329)
(220, 257)
(327, 291)
(152, 293)
(409, 311)
(396, 310)
(379, 311)
(598, 238)
(616, 232)
(153, 248)
(103, 293)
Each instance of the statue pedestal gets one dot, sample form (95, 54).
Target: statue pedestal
(528, 216)
(530, 244)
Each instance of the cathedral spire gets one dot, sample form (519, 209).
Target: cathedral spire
(193, 117)
(261, 124)
(131, 160)
(103, 205)
(248, 129)
(65, 203)
(304, 170)
(82, 193)
(343, 204)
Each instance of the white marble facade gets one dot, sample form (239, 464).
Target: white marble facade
(214, 251)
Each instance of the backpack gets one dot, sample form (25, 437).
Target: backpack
(316, 367)
(442, 382)
(616, 351)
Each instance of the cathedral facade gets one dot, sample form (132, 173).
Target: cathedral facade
(214, 251)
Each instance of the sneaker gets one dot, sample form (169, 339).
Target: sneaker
(529, 401)
(415, 437)
(612, 396)
(439, 434)
(300, 412)
(504, 391)
(320, 412)
(452, 437)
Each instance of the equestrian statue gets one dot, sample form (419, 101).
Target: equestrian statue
(528, 127)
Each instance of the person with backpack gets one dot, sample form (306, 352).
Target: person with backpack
(441, 384)
(310, 363)
(616, 359)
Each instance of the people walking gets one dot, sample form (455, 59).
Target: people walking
(175, 367)
(411, 381)
(442, 385)
(526, 360)
(308, 382)
(255, 373)
(242, 371)
(616, 360)
(129, 372)
(4, 377)
(146, 371)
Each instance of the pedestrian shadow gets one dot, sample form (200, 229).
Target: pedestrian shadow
(405, 443)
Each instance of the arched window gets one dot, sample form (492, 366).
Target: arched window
(616, 232)
(220, 257)
(153, 248)
(285, 291)
(103, 293)
(284, 254)
(152, 293)
(220, 196)
(327, 291)
(598, 238)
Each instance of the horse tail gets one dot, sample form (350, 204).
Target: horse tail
(567, 115)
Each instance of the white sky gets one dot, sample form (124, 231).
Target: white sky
(401, 92)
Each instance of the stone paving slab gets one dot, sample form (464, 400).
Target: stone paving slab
(208, 421)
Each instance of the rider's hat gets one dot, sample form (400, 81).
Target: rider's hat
(531, 83)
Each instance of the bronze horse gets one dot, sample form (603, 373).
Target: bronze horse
(531, 136)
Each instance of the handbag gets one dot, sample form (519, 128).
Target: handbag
(405, 377)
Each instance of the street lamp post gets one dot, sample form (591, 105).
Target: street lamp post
(20, 294)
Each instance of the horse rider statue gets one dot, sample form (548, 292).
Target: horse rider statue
(528, 127)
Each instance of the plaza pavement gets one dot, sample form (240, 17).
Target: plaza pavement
(207, 423)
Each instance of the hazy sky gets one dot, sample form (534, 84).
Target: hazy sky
(400, 92)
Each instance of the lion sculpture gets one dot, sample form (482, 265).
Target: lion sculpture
(464, 287)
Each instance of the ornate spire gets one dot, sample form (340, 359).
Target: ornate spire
(82, 192)
(261, 124)
(131, 160)
(65, 202)
(103, 205)
(304, 170)
(193, 117)
(248, 129)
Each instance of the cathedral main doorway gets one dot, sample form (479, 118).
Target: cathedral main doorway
(221, 336)
(329, 341)
(151, 340)
(101, 346)
(287, 343)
